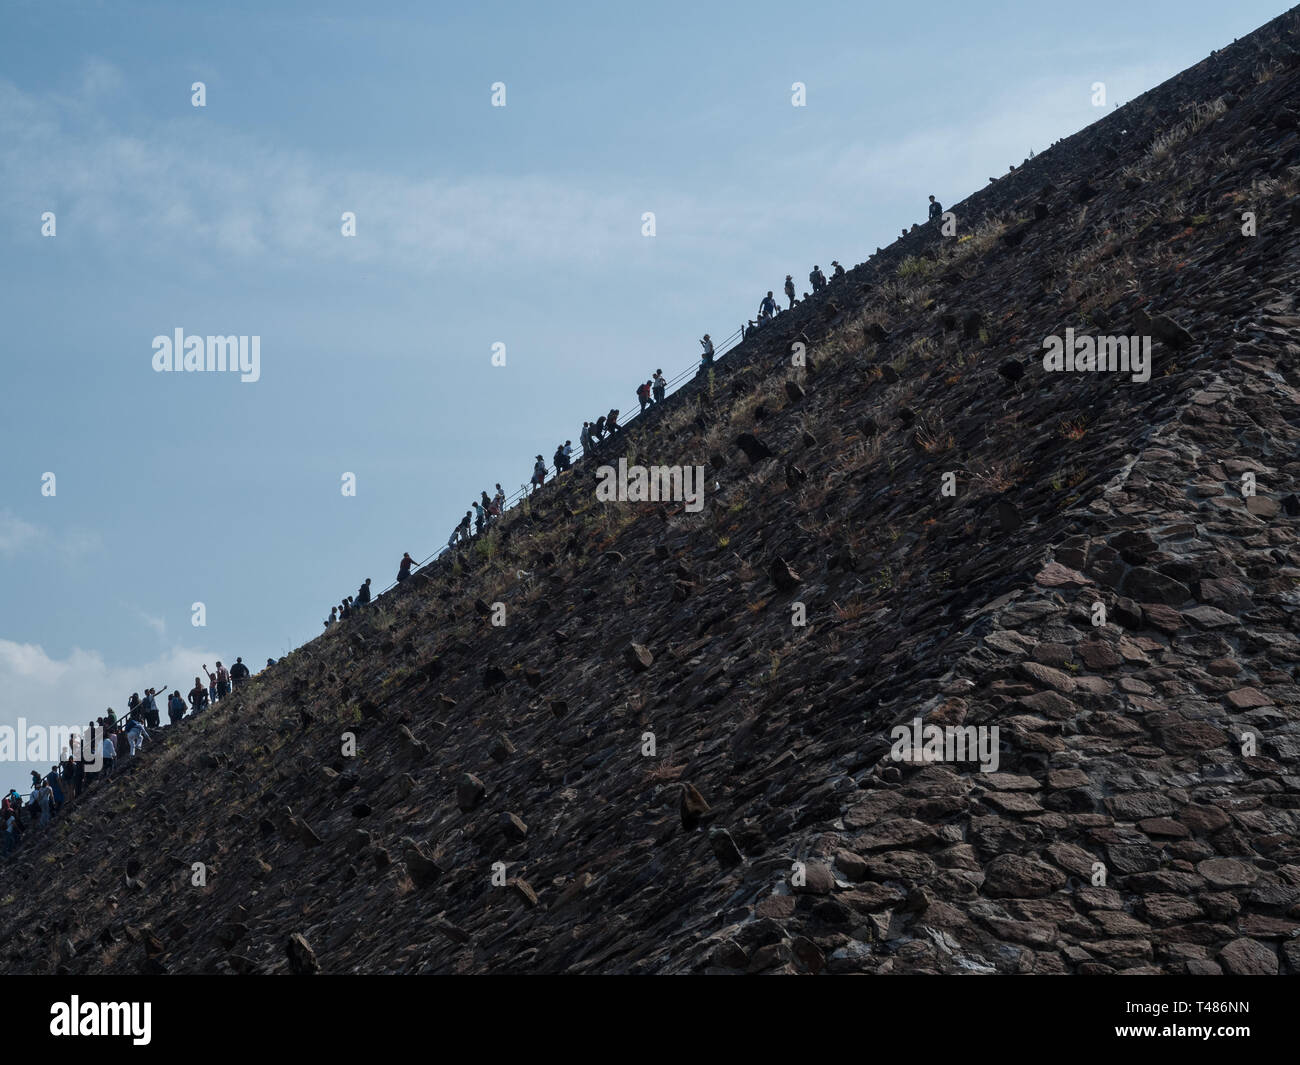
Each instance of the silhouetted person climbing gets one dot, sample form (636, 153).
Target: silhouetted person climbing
(238, 674)
(334, 616)
(837, 272)
(767, 306)
(817, 279)
(404, 567)
(175, 707)
(936, 209)
(707, 344)
(643, 396)
(363, 595)
(598, 429)
(198, 696)
(539, 472)
(480, 518)
(611, 419)
(659, 386)
(460, 534)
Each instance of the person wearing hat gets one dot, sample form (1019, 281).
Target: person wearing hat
(539, 472)
(837, 272)
(789, 290)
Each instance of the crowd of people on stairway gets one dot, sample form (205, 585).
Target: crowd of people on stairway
(484, 512)
(105, 746)
(109, 741)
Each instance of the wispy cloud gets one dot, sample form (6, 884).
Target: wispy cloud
(158, 624)
(18, 536)
(197, 181)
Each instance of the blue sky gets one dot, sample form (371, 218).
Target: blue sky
(475, 225)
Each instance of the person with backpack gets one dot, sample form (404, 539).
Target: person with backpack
(175, 707)
(817, 279)
(363, 593)
(136, 734)
(660, 385)
(559, 459)
(539, 473)
(238, 674)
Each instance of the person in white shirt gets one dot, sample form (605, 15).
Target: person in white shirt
(110, 753)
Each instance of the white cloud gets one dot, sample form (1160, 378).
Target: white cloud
(212, 187)
(16, 535)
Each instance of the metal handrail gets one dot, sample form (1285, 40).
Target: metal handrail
(688, 374)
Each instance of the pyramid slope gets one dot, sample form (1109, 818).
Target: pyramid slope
(1130, 826)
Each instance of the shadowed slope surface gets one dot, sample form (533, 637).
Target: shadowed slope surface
(1121, 744)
